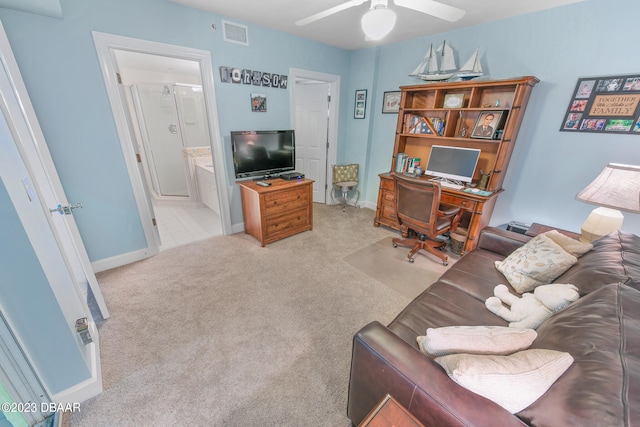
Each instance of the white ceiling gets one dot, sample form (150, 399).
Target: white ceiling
(343, 29)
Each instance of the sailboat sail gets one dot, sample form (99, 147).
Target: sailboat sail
(423, 66)
(448, 61)
(429, 69)
(472, 68)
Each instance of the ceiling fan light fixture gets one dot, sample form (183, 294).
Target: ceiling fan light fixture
(378, 22)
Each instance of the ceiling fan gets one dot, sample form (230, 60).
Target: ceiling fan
(379, 20)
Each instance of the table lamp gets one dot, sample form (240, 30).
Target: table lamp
(616, 189)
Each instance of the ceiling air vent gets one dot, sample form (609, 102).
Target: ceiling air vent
(235, 33)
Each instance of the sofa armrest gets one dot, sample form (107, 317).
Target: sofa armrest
(501, 241)
(383, 363)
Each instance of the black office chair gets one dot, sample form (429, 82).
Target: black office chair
(419, 212)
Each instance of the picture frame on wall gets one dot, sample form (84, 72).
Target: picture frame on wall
(360, 107)
(604, 104)
(391, 102)
(487, 124)
(258, 103)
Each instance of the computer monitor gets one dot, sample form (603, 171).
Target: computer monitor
(452, 162)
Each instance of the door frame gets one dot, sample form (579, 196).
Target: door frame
(105, 45)
(332, 132)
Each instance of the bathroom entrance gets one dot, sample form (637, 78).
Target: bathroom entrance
(173, 127)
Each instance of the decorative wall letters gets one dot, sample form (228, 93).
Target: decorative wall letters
(252, 77)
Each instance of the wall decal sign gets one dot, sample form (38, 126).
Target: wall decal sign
(608, 104)
(253, 77)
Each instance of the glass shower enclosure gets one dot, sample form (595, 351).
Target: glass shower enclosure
(170, 117)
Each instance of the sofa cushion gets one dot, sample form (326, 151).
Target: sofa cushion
(514, 381)
(614, 258)
(536, 263)
(573, 246)
(602, 332)
(475, 340)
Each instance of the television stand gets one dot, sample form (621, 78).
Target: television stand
(281, 210)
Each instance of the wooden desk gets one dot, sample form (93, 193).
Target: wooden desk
(389, 413)
(281, 210)
(478, 209)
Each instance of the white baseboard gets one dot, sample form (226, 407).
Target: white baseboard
(119, 260)
(89, 388)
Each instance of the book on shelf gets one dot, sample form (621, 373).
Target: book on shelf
(415, 124)
(406, 164)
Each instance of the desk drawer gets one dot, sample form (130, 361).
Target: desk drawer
(457, 201)
(387, 184)
(286, 200)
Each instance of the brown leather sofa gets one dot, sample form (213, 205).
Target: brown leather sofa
(601, 331)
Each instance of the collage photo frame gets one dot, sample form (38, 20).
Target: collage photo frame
(609, 104)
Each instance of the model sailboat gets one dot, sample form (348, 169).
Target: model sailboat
(472, 68)
(429, 70)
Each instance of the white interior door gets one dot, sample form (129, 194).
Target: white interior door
(21, 116)
(311, 126)
(32, 183)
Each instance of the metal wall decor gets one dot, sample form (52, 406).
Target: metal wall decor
(253, 77)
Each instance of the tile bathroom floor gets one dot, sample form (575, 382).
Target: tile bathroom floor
(182, 222)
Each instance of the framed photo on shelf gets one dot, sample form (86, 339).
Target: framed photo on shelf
(487, 124)
(360, 106)
(453, 100)
(391, 102)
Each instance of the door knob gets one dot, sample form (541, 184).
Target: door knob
(66, 210)
(173, 128)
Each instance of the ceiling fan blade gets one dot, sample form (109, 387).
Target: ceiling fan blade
(331, 11)
(434, 8)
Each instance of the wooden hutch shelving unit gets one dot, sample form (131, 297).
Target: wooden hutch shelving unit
(508, 96)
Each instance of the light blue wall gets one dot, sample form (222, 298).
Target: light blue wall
(59, 65)
(60, 68)
(548, 167)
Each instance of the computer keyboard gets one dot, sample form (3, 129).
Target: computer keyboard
(451, 185)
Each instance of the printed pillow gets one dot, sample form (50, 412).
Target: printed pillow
(573, 246)
(513, 382)
(536, 263)
(475, 340)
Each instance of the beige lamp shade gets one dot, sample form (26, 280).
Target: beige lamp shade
(616, 188)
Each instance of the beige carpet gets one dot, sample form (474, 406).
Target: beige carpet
(391, 267)
(223, 332)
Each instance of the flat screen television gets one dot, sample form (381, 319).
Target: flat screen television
(263, 153)
(454, 163)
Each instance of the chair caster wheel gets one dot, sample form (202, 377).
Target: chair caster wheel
(395, 245)
(411, 260)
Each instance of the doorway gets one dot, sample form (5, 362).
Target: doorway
(314, 116)
(165, 65)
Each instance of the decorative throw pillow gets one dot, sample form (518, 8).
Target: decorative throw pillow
(475, 340)
(536, 263)
(573, 246)
(513, 382)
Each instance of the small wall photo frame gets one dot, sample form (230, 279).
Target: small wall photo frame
(391, 102)
(487, 124)
(258, 103)
(360, 106)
